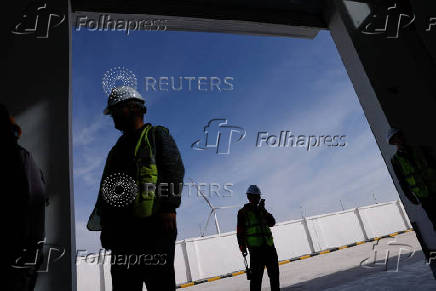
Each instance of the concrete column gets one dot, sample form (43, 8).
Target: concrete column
(392, 71)
(37, 91)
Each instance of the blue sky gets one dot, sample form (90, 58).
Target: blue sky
(279, 84)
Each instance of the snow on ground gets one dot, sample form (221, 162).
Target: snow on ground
(349, 269)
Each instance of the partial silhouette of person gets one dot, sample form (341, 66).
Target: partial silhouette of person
(23, 207)
(415, 169)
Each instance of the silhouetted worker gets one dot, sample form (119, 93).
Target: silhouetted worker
(416, 173)
(140, 230)
(23, 208)
(253, 232)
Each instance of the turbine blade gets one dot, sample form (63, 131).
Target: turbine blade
(201, 192)
(217, 224)
(207, 222)
(224, 207)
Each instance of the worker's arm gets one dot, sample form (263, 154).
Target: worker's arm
(37, 200)
(270, 221)
(240, 232)
(95, 220)
(170, 171)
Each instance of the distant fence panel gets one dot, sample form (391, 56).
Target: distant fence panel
(291, 239)
(384, 218)
(216, 255)
(335, 229)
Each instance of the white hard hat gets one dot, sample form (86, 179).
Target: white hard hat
(253, 189)
(120, 94)
(391, 133)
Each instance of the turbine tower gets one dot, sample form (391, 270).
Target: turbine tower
(212, 211)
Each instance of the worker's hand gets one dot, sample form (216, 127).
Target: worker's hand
(243, 250)
(168, 221)
(262, 203)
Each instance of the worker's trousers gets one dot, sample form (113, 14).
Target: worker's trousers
(153, 265)
(259, 258)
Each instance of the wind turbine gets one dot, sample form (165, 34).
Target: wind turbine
(212, 211)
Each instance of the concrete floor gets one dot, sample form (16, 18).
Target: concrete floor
(405, 269)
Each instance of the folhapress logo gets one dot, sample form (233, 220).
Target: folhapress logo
(391, 249)
(391, 20)
(33, 259)
(38, 21)
(219, 134)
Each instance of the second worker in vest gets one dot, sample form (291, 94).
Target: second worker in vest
(253, 232)
(416, 172)
(137, 216)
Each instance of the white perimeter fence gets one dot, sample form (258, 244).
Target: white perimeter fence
(204, 257)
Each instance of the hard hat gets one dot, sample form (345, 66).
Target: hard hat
(120, 94)
(253, 189)
(391, 133)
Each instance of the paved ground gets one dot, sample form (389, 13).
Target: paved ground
(343, 270)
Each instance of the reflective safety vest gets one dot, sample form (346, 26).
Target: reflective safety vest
(257, 232)
(145, 203)
(416, 172)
